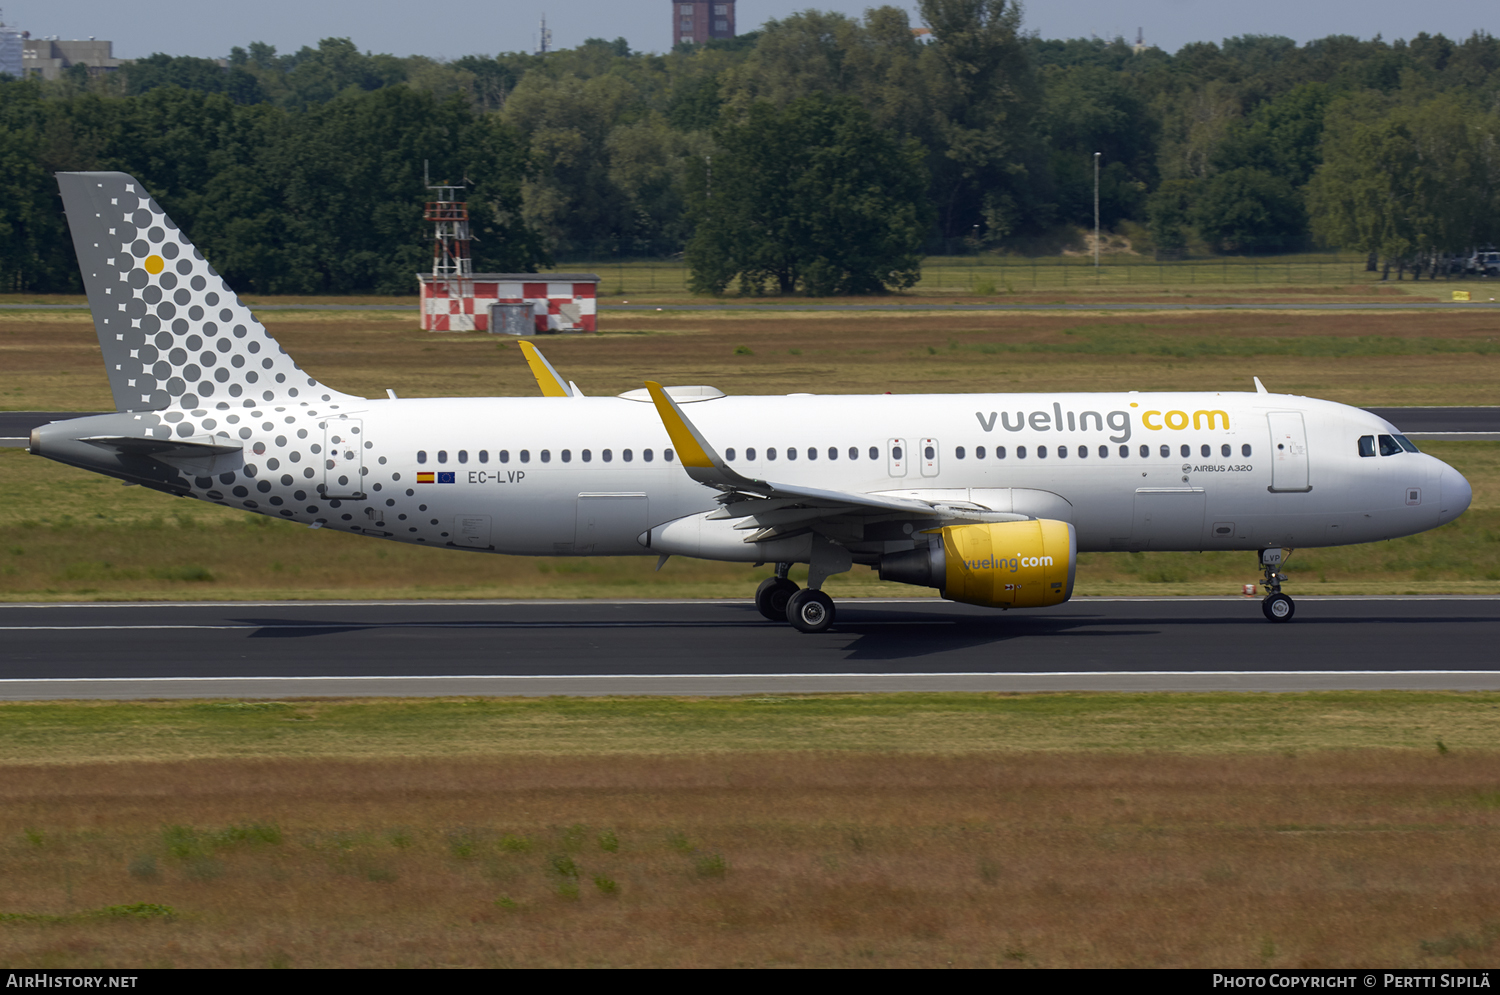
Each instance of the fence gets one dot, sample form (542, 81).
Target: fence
(627, 267)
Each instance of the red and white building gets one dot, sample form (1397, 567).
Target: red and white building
(510, 303)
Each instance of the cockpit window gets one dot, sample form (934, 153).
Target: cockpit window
(1407, 444)
(1388, 445)
(1367, 445)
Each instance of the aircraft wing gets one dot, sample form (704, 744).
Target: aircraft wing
(774, 509)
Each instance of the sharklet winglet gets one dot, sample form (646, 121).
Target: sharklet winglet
(547, 378)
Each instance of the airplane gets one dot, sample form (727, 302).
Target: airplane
(987, 498)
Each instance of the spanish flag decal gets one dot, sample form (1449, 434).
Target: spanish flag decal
(425, 478)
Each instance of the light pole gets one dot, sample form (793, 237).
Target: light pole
(1096, 217)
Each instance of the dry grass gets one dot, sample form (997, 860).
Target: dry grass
(1013, 859)
(52, 363)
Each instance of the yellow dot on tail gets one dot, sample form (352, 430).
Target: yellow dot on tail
(154, 265)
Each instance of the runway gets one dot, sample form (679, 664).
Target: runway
(716, 647)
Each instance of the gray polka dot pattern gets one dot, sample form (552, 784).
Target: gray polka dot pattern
(174, 334)
(188, 363)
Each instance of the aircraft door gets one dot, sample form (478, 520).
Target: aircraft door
(927, 453)
(1168, 518)
(1289, 470)
(610, 523)
(344, 447)
(896, 457)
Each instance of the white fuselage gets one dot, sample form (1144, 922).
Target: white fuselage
(593, 476)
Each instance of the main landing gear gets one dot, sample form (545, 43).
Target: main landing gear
(1277, 607)
(781, 600)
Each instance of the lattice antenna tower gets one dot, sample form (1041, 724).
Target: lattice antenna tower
(545, 44)
(451, 243)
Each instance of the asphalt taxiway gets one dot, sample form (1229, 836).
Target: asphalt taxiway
(282, 649)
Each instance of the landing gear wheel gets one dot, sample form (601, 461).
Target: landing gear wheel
(772, 595)
(810, 611)
(1279, 608)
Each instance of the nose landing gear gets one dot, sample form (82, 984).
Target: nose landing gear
(1277, 607)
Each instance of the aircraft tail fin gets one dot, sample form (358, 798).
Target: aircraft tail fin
(173, 333)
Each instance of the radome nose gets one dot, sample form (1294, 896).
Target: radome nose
(1456, 494)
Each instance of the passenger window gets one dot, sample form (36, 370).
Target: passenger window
(1125, 452)
(1000, 453)
(791, 452)
(1367, 445)
(484, 455)
(1104, 451)
(503, 455)
(1062, 452)
(930, 453)
(1187, 450)
(979, 452)
(1407, 444)
(421, 456)
(833, 452)
(1020, 452)
(854, 452)
(1224, 450)
(607, 455)
(1388, 446)
(874, 453)
(567, 455)
(750, 454)
(442, 455)
(896, 452)
(546, 456)
(771, 453)
(1041, 452)
(525, 455)
(463, 456)
(1166, 452)
(812, 453)
(1206, 451)
(1083, 452)
(958, 452)
(588, 456)
(647, 455)
(626, 455)
(666, 454)
(728, 454)
(1245, 449)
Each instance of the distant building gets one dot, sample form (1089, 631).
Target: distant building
(10, 50)
(697, 21)
(50, 57)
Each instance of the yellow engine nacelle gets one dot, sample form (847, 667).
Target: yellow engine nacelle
(1002, 565)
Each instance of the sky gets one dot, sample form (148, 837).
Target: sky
(210, 28)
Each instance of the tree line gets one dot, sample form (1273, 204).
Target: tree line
(823, 153)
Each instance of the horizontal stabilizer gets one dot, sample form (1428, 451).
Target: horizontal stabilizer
(163, 448)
